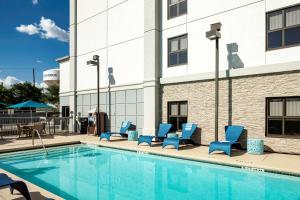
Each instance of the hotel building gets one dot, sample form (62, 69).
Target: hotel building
(156, 65)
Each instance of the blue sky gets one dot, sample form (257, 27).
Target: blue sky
(33, 33)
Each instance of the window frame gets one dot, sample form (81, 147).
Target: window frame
(281, 118)
(178, 128)
(169, 5)
(283, 29)
(178, 51)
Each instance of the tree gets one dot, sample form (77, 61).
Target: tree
(5, 95)
(26, 91)
(52, 94)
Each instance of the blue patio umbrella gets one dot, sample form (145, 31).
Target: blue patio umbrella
(3, 104)
(29, 104)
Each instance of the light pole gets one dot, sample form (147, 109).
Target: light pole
(214, 34)
(95, 62)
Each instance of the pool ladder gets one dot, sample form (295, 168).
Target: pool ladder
(37, 132)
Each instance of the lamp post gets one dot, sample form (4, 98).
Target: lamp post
(214, 34)
(95, 62)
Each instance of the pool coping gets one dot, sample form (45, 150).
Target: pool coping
(31, 187)
(17, 149)
(211, 160)
(245, 166)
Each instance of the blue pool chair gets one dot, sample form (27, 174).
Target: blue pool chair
(14, 185)
(162, 133)
(232, 135)
(124, 127)
(188, 130)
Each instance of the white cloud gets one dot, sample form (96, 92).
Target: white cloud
(30, 29)
(35, 2)
(47, 29)
(9, 81)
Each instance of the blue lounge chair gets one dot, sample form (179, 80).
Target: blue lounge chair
(124, 127)
(162, 133)
(14, 185)
(232, 136)
(188, 130)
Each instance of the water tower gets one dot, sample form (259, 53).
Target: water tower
(51, 77)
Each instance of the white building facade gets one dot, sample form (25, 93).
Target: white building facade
(156, 65)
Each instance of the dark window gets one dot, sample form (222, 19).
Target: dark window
(283, 117)
(65, 111)
(176, 8)
(275, 39)
(283, 28)
(177, 114)
(292, 36)
(178, 51)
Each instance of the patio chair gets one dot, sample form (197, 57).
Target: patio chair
(124, 128)
(188, 130)
(232, 135)
(163, 130)
(21, 131)
(1, 127)
(14, 185)
(39, 127)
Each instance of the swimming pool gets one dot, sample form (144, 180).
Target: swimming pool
(90, 172)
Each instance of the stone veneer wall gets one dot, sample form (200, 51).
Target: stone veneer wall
(247, 102)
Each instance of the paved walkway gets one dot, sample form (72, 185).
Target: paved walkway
(275, 162)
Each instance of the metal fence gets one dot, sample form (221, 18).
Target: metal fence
(53, 125)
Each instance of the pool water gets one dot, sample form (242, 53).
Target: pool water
(90, 172)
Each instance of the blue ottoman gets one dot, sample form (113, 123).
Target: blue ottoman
(172, 135)
(255, 146)
(132, 135)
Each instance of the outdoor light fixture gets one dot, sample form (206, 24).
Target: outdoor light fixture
(95, 62)
(92, 63)
(214, 34)
(96, 57)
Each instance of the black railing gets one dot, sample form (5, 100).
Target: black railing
(53, 125)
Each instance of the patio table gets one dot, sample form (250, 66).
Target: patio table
(132, 135)
(255, 146)
(28, 128)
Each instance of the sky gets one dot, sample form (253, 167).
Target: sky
(33, 33)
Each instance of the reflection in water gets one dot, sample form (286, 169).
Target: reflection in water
(93, 173)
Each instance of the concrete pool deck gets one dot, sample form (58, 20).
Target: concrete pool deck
(274, 162)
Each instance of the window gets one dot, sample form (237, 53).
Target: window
(283, 117)
(177, 51)
(177, 114)
(176, 8)
(283, 28)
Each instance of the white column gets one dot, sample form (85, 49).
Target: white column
(151, 65)
(73, 59)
